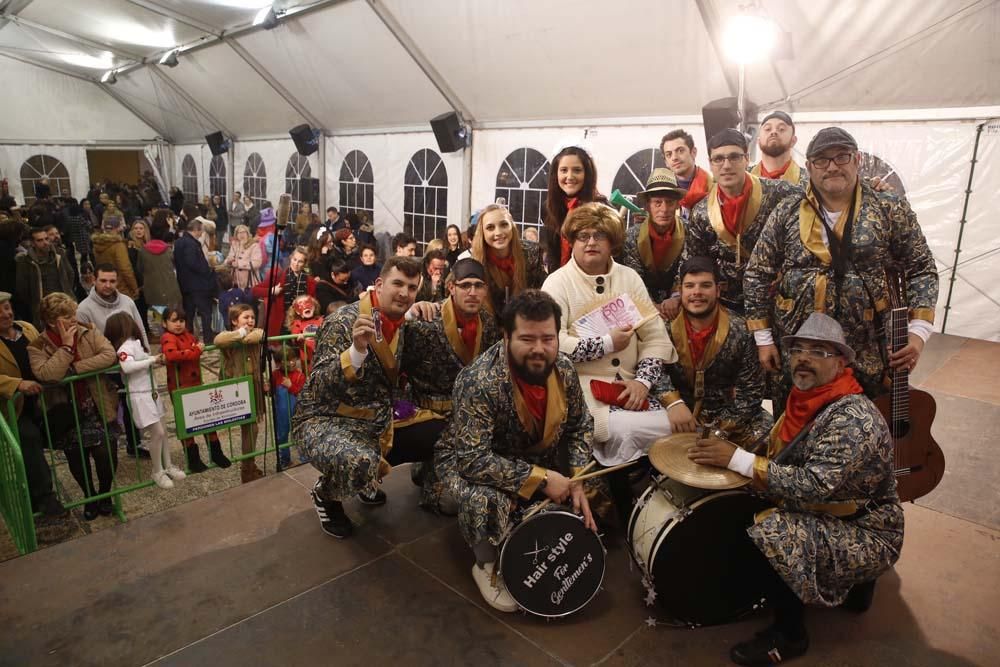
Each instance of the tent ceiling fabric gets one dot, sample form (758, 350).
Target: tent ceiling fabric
(509, 61)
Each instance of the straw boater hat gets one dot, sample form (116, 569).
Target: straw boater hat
(663, 182)
(822, 328)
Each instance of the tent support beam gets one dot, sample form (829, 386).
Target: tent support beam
(411, 48)
(710, 19)
(101, 46)
(162, 132)
(276, 85)
(51, 68)
(166, 12)
(190, 100)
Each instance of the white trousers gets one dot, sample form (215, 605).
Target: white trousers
(631, 434)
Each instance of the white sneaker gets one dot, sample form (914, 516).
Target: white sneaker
(495, 594)
(174, 473)
(162, 480)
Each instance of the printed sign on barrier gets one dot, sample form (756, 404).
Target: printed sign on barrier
(213, 407)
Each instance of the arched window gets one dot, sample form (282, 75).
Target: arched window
(255, 180)
(522, 182)
(217, 178)
(189, 179)
(296, 171)
(425, 197)
(632, 176)
(357, 185)
(37, 167)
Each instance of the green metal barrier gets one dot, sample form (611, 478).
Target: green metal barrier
(15, 502)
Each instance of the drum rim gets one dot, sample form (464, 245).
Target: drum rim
(604, 563)
(639, 508)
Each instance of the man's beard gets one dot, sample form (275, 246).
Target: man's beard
(529, 376)
(773, 150)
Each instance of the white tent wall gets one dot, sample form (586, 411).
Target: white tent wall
(74, 158)
(389, 155)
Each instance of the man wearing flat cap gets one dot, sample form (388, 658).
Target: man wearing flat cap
(826, 250)
(653, 248)
(775, 139)
(725, 225)
(441, 340)
(837, 524)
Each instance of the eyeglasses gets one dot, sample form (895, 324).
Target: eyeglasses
(585, 237)
(733, 158)
(470, 286)
(824, 162)
(815, 353)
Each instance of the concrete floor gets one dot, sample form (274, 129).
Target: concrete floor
(245, 577)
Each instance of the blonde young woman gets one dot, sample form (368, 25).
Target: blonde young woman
(245, 258)
(512, 265)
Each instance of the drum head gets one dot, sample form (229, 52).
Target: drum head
(552, 565)
(696, 564)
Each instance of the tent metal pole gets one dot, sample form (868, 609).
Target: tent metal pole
(183, 19)
(190, 100)
(102, 46)
(51, 68)
(961, 224)
(276, 85)
(131, 107)
(467, 180)
(321, 195)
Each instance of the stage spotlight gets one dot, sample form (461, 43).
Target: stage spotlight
(109, 78)
(266, 17)
(750, 37)
(169, 59)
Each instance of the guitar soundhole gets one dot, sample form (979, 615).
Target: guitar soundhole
(900, 429)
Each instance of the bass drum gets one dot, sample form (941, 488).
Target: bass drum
(690, 545)
(551, 564)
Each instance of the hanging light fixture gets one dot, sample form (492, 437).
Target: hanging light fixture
(109, 78)
(266, 17)
(169, 59)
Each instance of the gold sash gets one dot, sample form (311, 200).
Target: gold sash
(646, 246)
(791, 175)
(811, 233)
(555, 413)
(454, 336)
(696, 375)
(749, 213)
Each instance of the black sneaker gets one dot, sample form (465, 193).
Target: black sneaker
(332, 518)
(859, 598)
(767, 648)
(377, 498)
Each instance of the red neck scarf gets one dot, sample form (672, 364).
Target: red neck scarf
(778, 173)
(698, 340)
(660, 243)
(802, 406)
(535, 396)
(565, 247)
(733, 207)
(389, 325)
(505, 264)
(698, 189)
(468, 327)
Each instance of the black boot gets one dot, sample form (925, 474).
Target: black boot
(195, 464)
(218, 457)
(859, 599)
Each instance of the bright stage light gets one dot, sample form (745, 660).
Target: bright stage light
(749, 38)
(105, 60)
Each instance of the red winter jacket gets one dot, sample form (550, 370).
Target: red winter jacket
(280, 308)
(182, 355)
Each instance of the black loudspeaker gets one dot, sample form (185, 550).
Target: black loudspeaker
(309, 190)
(719, 115)
(306, 139)
(217, 143)
(449, 132)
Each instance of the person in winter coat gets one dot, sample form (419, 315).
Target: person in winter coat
(155, 266)
(41, 271)
(195, 277)
(110, 248)
(138, 235)
(364, 275)
(245, 258)
(265, 238)
(286, 284)
(236, 213)
(182, 352)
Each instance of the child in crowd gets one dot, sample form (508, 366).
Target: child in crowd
(288, 382)
(140, 392)
(182, 352)
(231, 295)
(241, 351)
(304, 317)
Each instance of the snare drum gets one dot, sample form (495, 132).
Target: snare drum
(689, 545)
(551, 564)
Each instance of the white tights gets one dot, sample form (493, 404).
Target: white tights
(155, 436)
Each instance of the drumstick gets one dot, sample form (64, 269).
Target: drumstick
(581, 477)
(545, 503)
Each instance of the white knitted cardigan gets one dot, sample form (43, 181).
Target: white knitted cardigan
(575, 291)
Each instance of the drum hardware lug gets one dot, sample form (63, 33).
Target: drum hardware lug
(683, 513)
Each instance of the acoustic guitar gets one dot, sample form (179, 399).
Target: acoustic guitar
(918, 459)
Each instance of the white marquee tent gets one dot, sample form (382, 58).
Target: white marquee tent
(915, 81)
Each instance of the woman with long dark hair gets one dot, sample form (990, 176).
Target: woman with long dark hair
(511, 264)
(453, 245)
(572, 182)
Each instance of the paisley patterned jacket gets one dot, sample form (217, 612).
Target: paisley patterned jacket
(638, 256)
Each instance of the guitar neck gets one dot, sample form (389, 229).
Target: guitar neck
(898, 339)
